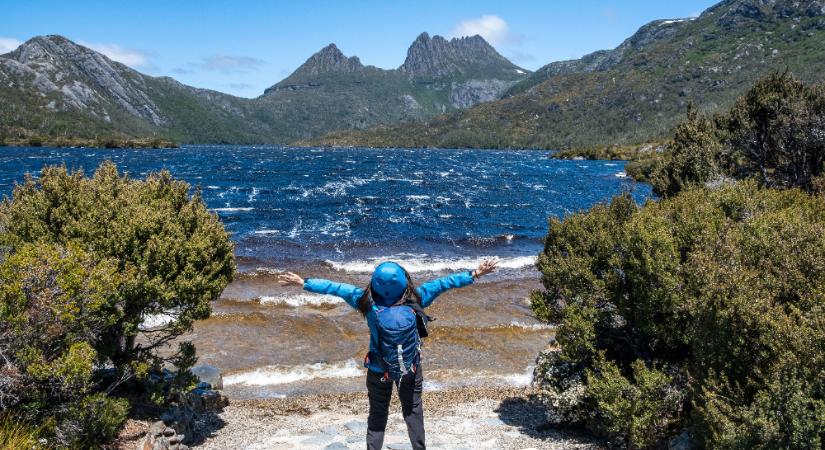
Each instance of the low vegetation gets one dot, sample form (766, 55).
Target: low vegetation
(700, 315)
(612, 152)
(16, 436)
(32, 140)
(85, 261)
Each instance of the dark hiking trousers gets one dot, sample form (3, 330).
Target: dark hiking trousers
(409, 392)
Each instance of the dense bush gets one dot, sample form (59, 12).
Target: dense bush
(84, 261)
(703, 311)
(54, 304)
(774, 133)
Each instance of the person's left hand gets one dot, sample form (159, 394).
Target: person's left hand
(486, 266)
(290, 279)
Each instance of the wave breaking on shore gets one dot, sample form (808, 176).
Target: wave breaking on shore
(422, 263)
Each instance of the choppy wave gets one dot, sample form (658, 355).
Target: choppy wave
(428, 264)
(302, 299)
(229, 209)
(290, 374)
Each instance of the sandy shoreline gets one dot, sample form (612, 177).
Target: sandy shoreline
(505, 418)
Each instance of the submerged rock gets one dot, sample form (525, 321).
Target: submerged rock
(209, 374)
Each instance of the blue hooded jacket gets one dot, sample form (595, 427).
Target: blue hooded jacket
(427, 291)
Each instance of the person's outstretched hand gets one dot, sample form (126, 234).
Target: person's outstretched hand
(486, 266)
(290, 279)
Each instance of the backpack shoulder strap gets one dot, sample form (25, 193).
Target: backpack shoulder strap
(419, 310)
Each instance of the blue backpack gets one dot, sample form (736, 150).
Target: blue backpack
(398, 340)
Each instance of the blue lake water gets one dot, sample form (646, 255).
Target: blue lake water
(348, 206)
(336, 213)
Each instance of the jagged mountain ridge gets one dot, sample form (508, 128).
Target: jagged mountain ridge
(636, 92)
(437, 57)
(52, 86)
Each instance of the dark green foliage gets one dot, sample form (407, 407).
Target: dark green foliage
(693, 155)
(99, 416)
(54, 304)
(638, 410)
(703, 310)
(775, 133)
(84, 261)
(778, 131)
(174, 254)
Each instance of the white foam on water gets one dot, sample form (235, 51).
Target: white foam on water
(252, 195)
(336, 188)
(520, 379)
(228, 209)
(531, 326)
(273, 375)
(266, 231)
(427, 264)
(302, 299)
(152, 321)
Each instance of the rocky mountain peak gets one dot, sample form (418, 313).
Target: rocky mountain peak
(328, 60)
(85, 79)
(48, 49)
(437, 57)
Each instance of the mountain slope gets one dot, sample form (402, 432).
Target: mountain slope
(54, 87)
(331, 91)
(637, 91)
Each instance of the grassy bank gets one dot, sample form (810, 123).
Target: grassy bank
(642, 158)
(42, 141)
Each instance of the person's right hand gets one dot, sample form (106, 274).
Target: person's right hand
(486, 266)
(290, 279)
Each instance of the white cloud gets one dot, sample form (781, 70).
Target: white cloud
(8, 44)
(130, 57)
(495, 31)
(492, 28)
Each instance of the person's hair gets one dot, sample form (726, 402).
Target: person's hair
(410, 295)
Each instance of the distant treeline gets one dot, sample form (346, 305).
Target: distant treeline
(99, 142)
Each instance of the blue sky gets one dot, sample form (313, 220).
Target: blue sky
(243, 47)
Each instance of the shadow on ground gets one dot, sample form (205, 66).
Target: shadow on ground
(529, 415)
(204, 426)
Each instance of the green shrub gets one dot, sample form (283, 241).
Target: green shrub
(693, 156)
(713, 297)
(639, 411)
(99, 416)
(774, 133)
(54, 302)
(172, 255)
(83, 262)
